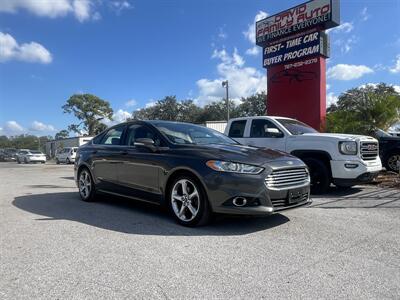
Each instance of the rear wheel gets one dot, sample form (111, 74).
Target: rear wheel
(319, 173)
(86, 186)
(188, 202)
(391, 162)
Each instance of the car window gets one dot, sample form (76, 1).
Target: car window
(139, 131)
(237, 128)
(113, 136)
(263, 128)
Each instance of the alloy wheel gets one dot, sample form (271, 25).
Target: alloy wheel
(185, 200)
(392, 162)
(85, 184)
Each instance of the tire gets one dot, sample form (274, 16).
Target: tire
(320, 176)
(57, 161)
(25, 160)
(189, 205)
(87, 189)
(391, 162)
(18, 161)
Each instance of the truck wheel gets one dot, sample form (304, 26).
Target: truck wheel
(319, 173)
(391, 162)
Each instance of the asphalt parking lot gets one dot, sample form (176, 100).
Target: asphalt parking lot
(345, 245)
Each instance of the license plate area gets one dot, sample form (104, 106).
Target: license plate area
(296, 195)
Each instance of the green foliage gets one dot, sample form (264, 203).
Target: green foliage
(25, 142)
(89, 109)
(363, 110)
(63, 134)
(171, 109)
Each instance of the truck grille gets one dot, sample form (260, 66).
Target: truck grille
(369, 150)
(287, 178)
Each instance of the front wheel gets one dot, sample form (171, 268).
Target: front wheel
(188, 202)
(391, 162)
(320, 177)
(86, 186)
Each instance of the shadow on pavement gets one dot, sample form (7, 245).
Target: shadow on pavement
(133, 217)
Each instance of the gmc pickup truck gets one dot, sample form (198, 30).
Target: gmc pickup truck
(342, 159)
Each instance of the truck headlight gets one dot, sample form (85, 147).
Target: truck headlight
(232, 167)
(348, 148)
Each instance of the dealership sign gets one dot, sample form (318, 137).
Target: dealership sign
(297, 47)
(322, 14)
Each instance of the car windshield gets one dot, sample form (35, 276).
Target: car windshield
(381, 133)
(296, 127)
(183, 133)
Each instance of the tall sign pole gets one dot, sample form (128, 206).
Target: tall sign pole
(226, 85)
(295, 47)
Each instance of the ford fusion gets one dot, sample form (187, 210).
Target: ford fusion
(193, 170)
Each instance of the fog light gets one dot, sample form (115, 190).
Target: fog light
(351, 166)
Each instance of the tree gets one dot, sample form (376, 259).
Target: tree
(89, 110)
(255, 105)
(63, 134)
(362, 110)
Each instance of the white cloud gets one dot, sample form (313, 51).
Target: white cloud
(348, 72)
(150, 103)
(328, 86)
(331, 99)
(397, 88)
(82, 9)
(345, 27)
(131, 103)
(39, 126)
(364, 14)
(120, 5)
(396, 68)
(222, 34)
(29, 52)
(253, 51)
(118, 117)
(12, 127)
(243, 81)
(250, 33)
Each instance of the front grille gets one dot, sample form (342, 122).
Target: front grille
(369, 150)
(278, 203)
(287, 178)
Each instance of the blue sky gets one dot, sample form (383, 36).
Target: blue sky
(132, 53)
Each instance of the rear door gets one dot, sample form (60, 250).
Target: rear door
(237, 130)
(264, 133)
(105, 158)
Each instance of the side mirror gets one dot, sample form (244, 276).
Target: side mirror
(273, 132)
(145, 142)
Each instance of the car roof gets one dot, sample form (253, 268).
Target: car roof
(260, 117)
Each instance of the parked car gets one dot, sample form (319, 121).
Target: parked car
(19, 157)
(194, 170)
(66, 155)
(9, 154)
(342, 159)
(30, 156)
(389, 150)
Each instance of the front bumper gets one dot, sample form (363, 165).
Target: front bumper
(359, 172)
(223, 188)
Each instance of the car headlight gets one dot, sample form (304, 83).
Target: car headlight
(232, 167)
(348, 148)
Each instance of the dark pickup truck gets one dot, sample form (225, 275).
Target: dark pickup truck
(389, 150)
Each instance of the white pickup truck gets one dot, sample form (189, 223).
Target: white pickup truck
(342, 159)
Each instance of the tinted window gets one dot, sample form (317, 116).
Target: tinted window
(237, 128)
(113, 136)
(263, 128)
(296, 127)
(139, 131)
(184, 133)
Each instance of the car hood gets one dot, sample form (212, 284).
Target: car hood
(390, 138)
(338, 136)
(246, 154)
